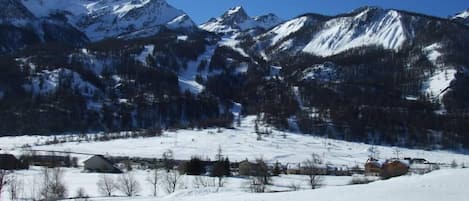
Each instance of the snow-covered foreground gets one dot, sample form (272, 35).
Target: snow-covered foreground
(445, 184)
(238, 144)
(436, 186)
(448, 185)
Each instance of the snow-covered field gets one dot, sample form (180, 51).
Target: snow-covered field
(237, 144)
(446, 184)
(241, 143)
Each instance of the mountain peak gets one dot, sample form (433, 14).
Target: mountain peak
(366, 9)
(462, 17)
(235, 15)
(236, 19)
(235, 10)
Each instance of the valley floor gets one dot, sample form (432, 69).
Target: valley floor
(237, 144)
(447, 184)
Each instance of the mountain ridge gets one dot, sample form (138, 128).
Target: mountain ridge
(374, 75)
(237, 20)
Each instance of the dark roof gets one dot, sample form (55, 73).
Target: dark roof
(103, 158)
(7, 157)
(9, 162)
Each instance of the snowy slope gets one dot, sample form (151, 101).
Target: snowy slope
(286, 29)
(325, 36)
(440, 81)
(267, 21)
(47, 82)
(236, 19)
(181, 22)
(382, 28)
(462, 17)
(108, 18)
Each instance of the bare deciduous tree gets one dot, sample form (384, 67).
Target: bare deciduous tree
(106, 185)
(53, 187)
(4, 180)
(171, 181)
(15, 187)
(128, 185)
(153, 179)
(312, 170)
(373, 152)
(262, 171)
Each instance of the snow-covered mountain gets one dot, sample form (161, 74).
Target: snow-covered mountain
(20, 28)
(236, 19)
(325, 36)
(267, 21)
(462, 17)
(112, 18)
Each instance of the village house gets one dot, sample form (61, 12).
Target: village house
(421, 166)
(394, 168)
(373, 167)
(99, 163)
(247, 168)
(387, 169)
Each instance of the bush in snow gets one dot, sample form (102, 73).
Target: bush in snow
(359, 179)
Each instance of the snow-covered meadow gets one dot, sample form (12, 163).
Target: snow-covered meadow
(238, 144)
(242, 143)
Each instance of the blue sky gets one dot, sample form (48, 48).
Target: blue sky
(202, 10)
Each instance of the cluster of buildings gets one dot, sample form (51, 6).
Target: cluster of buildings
(99, 163)
(398, 167)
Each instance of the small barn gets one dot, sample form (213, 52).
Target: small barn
(99, 163)
(247, 168)
(10, 162)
